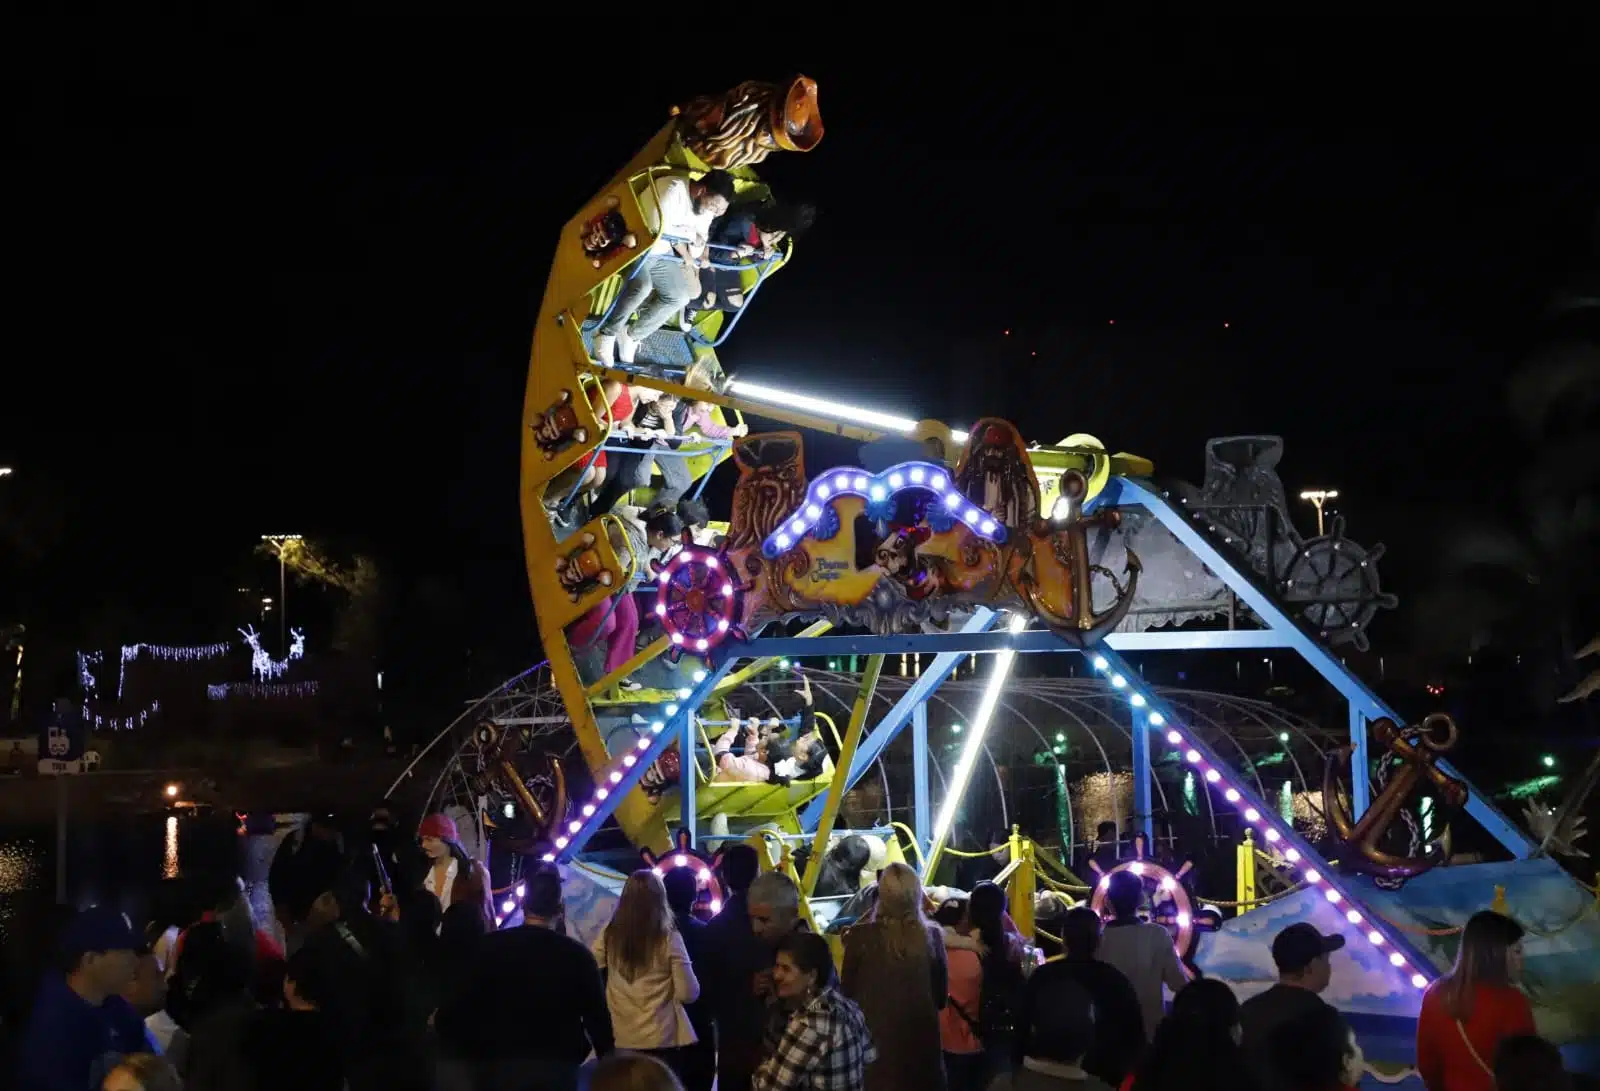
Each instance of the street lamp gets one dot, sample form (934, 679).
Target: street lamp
(1317, 498)
(278, 541)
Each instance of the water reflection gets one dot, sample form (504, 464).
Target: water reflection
(169, 858)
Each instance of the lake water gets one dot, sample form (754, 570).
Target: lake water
(117, 864)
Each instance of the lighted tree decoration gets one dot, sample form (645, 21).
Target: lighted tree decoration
(358, 626)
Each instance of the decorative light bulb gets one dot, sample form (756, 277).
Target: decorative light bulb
(896, 480)
(1213, 776)
(1353, 917)
(917, 475)
(1137, 700)
(699, 676)
(1174, 738)
(1117, 681)
(1291, 855)
(1192, 756)
(860, 483)
(937, 482)
(823, 492)
(1418, 981)
(1313, 876)
(1156, 719)
(1252, 815)
(988, 526)
(1396, 958)
(971, 516)
(588, 810)
(672, 710)
(798, 526)
(680, 860)
(616, 777)
(813, 511)
(1231, 795)
(1272, 835)
(661, 609)
(1375, 938)
(1136, 867)
(702, 644)
(1100, 663)
(601, 793)
(1333, 895)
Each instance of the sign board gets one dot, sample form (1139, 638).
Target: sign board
(61, 741)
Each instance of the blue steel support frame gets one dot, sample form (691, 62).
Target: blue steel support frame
(1157, 715)
(688, 775)
(584, 827)
(887, 728)
(919, 775)
(1360, 764)
(1144, 809)
(1189, 528)
(1031, 642)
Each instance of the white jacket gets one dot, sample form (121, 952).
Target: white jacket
(647, 1012)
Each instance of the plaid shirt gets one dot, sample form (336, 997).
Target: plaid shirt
(824, 1047)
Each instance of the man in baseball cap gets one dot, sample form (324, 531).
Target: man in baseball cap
(81, 1026)
(1301, 954)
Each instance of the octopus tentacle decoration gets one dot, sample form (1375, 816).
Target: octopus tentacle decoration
(1416, 750)
(750, 122)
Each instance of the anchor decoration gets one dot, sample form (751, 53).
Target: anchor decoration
(512, 771)
(1415, 751)
(1051, 571)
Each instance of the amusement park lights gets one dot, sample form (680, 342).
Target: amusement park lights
(1402, 956)
(879, 490)
(970, 748)
(833, 410)
(621, 776)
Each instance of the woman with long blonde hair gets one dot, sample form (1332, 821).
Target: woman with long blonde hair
(894, 969)
(649, 977)
(1467, 1012)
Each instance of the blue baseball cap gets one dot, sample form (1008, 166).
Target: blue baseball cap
(98, 929)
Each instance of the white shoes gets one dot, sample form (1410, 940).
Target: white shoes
(626, 347)
(605, 349)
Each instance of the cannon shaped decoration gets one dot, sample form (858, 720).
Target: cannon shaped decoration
(1329, 582)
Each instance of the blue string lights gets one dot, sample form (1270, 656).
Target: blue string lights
(816, 515)
(1279, 833)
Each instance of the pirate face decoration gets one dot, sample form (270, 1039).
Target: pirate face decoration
(995, 474)
(772, 480)
(558, 428)
(582, 570)
(606, 234)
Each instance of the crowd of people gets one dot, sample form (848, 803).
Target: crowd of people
(383, 969)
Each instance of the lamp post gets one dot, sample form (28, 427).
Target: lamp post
(278, 541)
(1317, 498)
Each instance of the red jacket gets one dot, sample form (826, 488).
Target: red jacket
(1444, 1060)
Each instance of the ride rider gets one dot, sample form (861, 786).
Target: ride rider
(666, 277)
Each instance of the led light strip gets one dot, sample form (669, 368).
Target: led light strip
(979, 727)
(878, 489)
(1303, 859)
(833, 410)
(617, 779)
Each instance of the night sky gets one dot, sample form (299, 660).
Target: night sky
(274, 282)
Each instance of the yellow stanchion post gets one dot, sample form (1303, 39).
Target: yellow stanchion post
(1020, 886)
(1245, 891)
(841, 771)
(1498, 904)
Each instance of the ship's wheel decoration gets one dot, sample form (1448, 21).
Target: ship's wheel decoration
(700, 599)
(708, 896)
(1166, 902)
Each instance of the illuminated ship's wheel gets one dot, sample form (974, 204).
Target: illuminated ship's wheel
(1166, 902)
(708, 896)
(700, 599)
